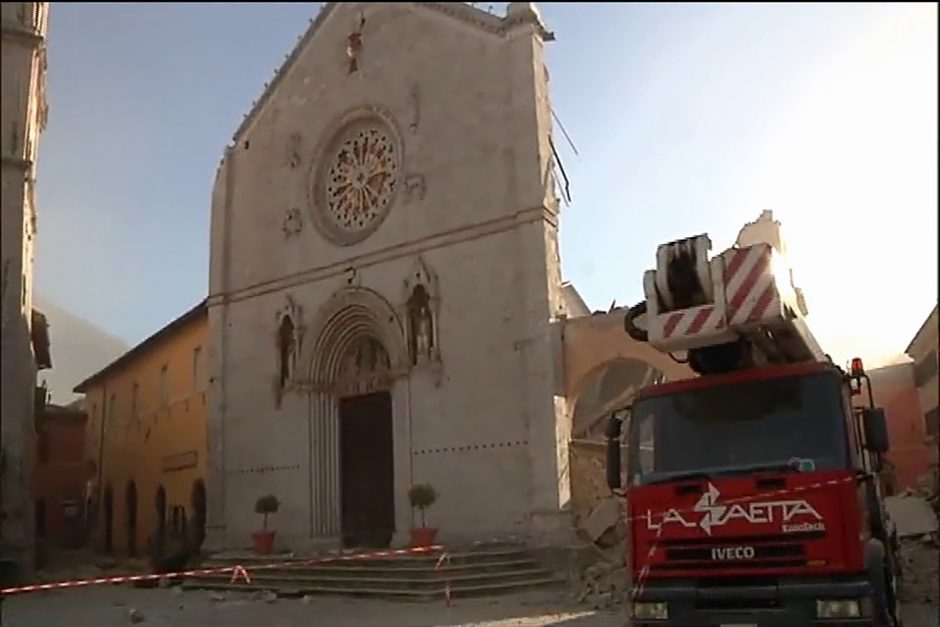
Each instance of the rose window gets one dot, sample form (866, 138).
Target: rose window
(360, 179)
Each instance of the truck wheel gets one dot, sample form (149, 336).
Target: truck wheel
(884, 587)
(894, 594)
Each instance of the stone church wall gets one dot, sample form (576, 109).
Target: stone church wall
(463, 106)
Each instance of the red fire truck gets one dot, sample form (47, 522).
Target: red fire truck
(752, 491)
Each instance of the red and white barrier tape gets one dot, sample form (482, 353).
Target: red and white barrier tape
(638, 588)
(444, 559)
(236, 570)
(239, 570)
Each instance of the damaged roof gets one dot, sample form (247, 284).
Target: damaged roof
(484, 20)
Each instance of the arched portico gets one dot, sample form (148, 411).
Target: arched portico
(608, 386)
(359, 434)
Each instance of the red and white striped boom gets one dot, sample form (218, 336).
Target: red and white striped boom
(744, 293)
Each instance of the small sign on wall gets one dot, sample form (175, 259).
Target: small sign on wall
(180, 461)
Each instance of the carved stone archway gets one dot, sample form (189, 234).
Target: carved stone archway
(345, 320)
(609, 386)
(355, 328)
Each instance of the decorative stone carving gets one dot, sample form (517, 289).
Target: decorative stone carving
(365, 368)
(364, 359)
(356, 177)
(415, 101)
(354, 45)
(293, 222)
(420, 309)
(353, 48)
(415, 188)
(294, 150)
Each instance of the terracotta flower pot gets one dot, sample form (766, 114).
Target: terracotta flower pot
(264, 541)
(423, 537)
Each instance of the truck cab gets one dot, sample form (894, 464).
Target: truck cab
(753, 499)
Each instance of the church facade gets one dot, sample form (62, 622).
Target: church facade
(384, 280)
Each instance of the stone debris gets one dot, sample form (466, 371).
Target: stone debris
(912, 515)
(269, 596)
(307, 600)
(919, 569)
(605, 582)
(134, 616)
(603, 519)
(217, 596)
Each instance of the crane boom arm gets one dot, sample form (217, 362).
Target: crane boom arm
(741, 303)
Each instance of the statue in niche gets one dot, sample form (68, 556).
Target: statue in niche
(286, 347)
(420, 325)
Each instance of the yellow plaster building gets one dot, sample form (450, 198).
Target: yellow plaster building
(146, 440)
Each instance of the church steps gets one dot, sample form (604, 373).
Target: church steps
(341, 569)
(454, 557)
(432, 579)
(465, 572)
(456, 590)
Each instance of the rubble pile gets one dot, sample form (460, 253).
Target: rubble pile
(916, 525)
(919, 572)
(605, 580)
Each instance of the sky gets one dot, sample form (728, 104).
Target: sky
(686, 119)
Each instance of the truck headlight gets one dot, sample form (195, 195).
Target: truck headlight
(650, 611)
(838, 608)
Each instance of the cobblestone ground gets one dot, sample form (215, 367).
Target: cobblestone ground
(121, 606)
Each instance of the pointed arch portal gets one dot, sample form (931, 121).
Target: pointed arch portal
(358, 355)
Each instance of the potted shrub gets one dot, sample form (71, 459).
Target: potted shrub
(422, 497)
(264, 539)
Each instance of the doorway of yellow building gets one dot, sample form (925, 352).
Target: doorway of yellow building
(198, 502)
(160, 505)
(131, 501)
(108, 506)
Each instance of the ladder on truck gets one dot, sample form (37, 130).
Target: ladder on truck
(735, 310)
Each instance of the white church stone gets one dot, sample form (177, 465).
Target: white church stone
(461, 200)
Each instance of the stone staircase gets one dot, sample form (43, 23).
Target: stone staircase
(470, 572)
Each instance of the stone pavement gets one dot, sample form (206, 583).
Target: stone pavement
(119, 606)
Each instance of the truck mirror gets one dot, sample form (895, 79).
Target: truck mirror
(875, 425)
(612, 433)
